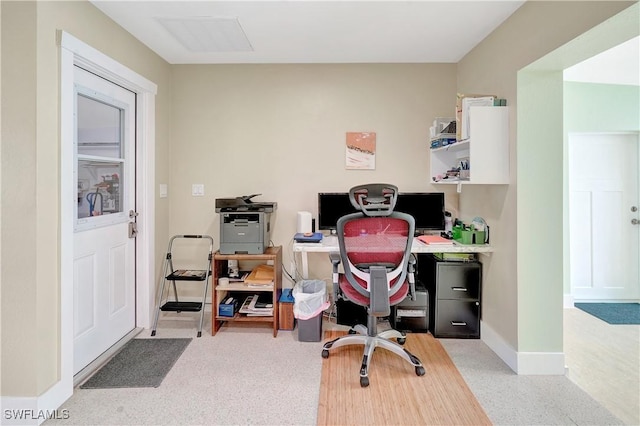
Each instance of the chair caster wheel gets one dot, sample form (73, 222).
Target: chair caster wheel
(364, 382)
(199, 333)
(401, 340)
(325, 353)
(420, 371)
(352, 331)
(153, 333)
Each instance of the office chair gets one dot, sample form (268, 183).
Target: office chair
(375, 250)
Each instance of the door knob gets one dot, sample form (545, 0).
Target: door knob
(634, 209)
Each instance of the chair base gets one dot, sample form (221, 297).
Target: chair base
(359, 336)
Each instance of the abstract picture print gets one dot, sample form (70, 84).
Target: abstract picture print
(361, 151)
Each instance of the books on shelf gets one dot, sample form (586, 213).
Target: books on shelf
(464, 102)
(254, 306)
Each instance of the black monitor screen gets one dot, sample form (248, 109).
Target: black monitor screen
(331, 207)
(427, 208)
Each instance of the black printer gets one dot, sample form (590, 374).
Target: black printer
(244, 224)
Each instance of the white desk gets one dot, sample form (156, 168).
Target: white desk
(330, 244)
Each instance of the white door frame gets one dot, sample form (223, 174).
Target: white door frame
(75, 52)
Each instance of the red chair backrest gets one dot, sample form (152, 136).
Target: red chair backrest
(376, 240)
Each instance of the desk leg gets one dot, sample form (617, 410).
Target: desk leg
(305, 265)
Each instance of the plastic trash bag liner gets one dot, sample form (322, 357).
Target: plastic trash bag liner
(310, 298)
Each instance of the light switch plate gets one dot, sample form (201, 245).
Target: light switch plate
(163, 190)
(197, 190)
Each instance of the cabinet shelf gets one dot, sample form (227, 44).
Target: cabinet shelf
(245, 318)
(243, 287)
(486, 151)
(454, 147)
(271, 255)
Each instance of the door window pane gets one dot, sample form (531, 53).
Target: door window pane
(99, 128)
(99, 190)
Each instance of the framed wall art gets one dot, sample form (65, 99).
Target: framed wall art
(361, 151)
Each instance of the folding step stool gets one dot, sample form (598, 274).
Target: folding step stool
(173, 275)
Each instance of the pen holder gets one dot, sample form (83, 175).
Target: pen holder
(470, 237)
(456, 233)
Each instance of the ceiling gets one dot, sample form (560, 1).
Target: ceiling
(299, 31)
(618, 65)
(334, 31)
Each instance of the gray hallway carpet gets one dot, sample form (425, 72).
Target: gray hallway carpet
(140, 363)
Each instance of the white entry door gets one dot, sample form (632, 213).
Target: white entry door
(104, 252)
(603, 204)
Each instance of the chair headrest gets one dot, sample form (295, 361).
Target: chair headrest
(374, 199)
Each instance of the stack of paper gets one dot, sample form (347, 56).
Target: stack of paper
(465, 102)
(261, 275)
(434, 240)
(254, 307)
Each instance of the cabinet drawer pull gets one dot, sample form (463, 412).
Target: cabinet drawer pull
(458, 323)
(458, 288)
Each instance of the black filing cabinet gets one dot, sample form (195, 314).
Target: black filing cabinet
(454, 296)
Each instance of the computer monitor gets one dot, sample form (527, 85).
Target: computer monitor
(427, 208)
(331, 207)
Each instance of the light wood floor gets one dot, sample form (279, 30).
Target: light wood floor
(604, 360)
(396, 395)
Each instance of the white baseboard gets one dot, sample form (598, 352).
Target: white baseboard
(29, 411)
(523, 363)
(567, 301)
(19, 410)
(497, 344)
(541, 363)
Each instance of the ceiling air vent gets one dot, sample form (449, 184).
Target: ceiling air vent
(208, 34)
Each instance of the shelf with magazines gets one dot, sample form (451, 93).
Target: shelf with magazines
(264, 282)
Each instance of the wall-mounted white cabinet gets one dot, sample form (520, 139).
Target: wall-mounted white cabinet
(483, 158)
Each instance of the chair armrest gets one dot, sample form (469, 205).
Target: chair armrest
(335, 258)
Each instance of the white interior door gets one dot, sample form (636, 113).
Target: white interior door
(104, 252)
(603, 203)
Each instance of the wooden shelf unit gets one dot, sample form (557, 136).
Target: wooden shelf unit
(271, 255)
